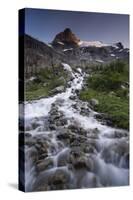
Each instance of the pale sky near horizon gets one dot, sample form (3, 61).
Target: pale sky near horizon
(108, 28)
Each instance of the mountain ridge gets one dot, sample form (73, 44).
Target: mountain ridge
(38, 54)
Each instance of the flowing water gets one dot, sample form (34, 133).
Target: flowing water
(105, 160)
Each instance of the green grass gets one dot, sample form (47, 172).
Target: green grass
(115, 107)
(36, 94)
(46, 80)
(105, 85)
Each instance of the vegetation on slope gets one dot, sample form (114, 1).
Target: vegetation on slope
(45, 81)
(110, 87)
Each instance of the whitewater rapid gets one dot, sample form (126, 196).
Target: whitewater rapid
(107, 173)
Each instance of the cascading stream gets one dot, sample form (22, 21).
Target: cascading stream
(105, 166)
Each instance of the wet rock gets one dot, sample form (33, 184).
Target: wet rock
(63, 158)
(62, 161)
(29, 141)
(28, 135)
(61, 122)
(120, 134)
(75, 143)
(68, 84)
(75, 106)
(99, 116)
(94, 143)
(94, 102)
(114, 153)
(60, 145)
(43, 187)
(107, 156)
(79, 160)
(53, 149)
(32, 154)
(104, 119)
(89, 149)
(52, 127)
(43, 156)
(74, 128)
(62, 80)
(95, 131)
(59, 180)
(62, 136)
(42, 147)
(84, 111)
(77, 91)
(76, 152)
(82, 131)
(72, 97)
(121, 148)
(65, 136)
(80, 163)
(34, 124)
(56, 118)
(57, 90)
(38, 146)
(45, 164)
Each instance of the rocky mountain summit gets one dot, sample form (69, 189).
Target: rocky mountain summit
(66, 39)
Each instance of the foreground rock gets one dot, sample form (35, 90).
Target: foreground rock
(57, 90)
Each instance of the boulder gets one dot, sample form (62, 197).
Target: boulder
(44, 164)
(94, 102)
(72, 97)
(83, 163)
(57, 90)
(118, 134)
(52, 127)
(59, 180)
(32, 154)
(74, 128)
(29, 141)
(62, 80)
(79, 160)
(85, 111)
(89, 149)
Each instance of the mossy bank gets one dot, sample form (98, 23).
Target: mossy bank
(45, 81)
(110, 87)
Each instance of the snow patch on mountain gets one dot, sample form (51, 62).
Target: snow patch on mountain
(91, 43)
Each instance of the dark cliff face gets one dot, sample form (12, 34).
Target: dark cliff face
(65, 39)
(38, 55)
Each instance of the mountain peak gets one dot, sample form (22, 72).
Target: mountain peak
(66, 38)
(67, 30)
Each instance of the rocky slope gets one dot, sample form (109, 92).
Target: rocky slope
(38, 55)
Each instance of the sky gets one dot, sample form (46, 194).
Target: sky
(108, 28)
